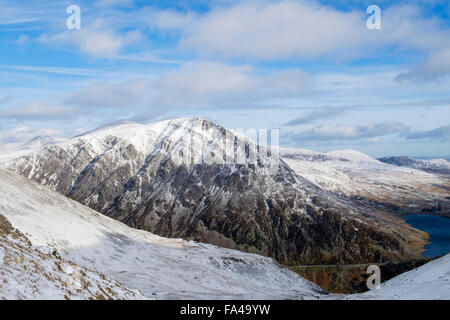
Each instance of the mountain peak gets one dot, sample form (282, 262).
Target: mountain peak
(352, 155)
(129, 124)
(190, 121)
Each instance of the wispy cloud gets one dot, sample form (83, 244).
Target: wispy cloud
(95, 40)
(5, 100)
(435, 67)
(113, 3)
(321, 113)
(216, 85)
(130, 94)
(329, 133)
(146, 57)
(39, 110)
(442, 132)
(57, 70)
(27, 13)
(196, 84)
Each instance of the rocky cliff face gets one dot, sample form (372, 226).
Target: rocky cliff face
(180, 178)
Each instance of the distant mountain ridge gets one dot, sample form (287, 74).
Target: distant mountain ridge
(351, 155)
(439, 166)
(11, 151)
(350, 173)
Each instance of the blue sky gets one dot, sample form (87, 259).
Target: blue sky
(311, 68)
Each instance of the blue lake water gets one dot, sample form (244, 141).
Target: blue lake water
(439, 230)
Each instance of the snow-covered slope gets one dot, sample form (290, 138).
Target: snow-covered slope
(351, 155)
(354, 174)
(438, 166)
(27, 273)
(158, 267)
(430, 281)
(11, 151)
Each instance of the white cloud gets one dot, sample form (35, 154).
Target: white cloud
(301, 29)
(200, 84)
(197, 84)
(274, 30)
(435, 67)
(405, 27)
(347, 132)
(168, 19)
(94, 40)
(129, 94)
(39, 110)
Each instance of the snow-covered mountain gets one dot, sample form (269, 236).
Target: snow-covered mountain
(438, 166)
(11, 151)
(175, 178)
(351, 155)
(358, 175)
(45, 236)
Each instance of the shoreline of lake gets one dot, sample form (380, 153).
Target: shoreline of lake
(438, 227)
